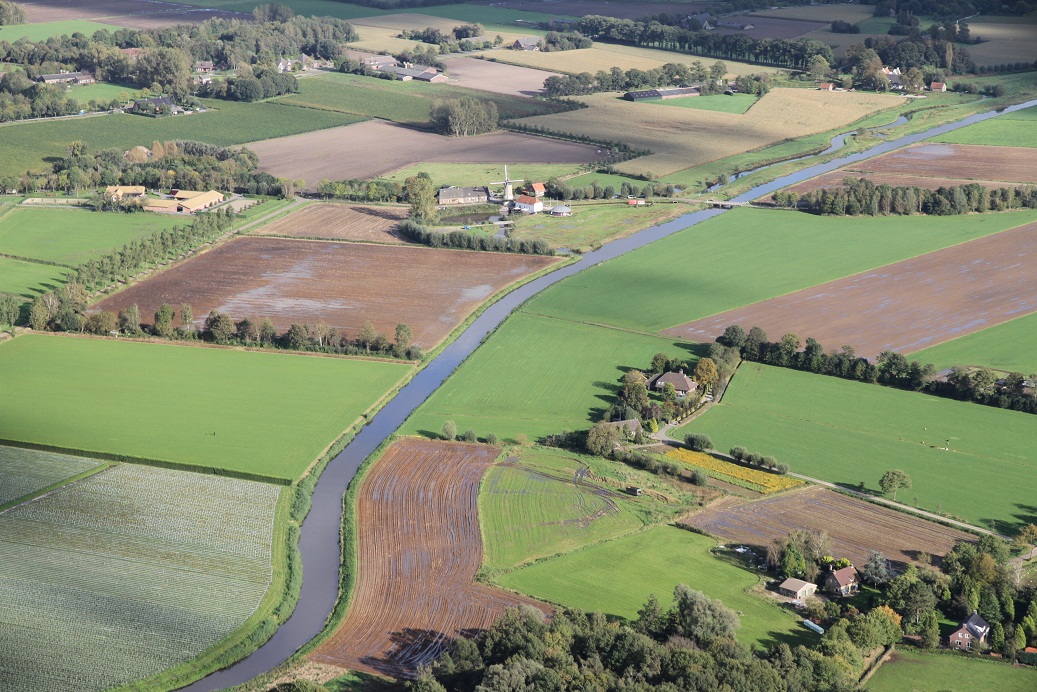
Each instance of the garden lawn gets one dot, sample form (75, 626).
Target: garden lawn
(45, 30)
(537, 376)
(73, 236)
(1018, 129)
(27, 145)
(911, 671)
(267, 415)
(748, 255)
(724, 103)
(29, 279)
(593, 223)
(850, 433)
(616, 578)
(1007, 347)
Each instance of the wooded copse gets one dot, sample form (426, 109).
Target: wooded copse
(859, 196)
(11, 13)
(668, 75)
(463, 240)
(464, 116)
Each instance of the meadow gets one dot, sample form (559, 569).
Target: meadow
(28, 279)
(911, 671)
(27, 471)
(722, 103)
(617, 577)
(732, 261)
(1018, 129)
(479, 174)
(167, 564)
(593, 222)
(73, 236)
(483, 14)
(1007, 347)
(44, 30)
(1005, 39)
(965, 460)
(103, 92)
(538, 376)
(33, 145)
(685, 137)
(264, 415)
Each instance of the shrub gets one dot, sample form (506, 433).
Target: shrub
(491, 439)
(469, 435)
(738, 453)
(698, 477)
(450, 430)
(698, 442)
(782, 468)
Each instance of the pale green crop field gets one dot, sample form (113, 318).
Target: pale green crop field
(26, 471)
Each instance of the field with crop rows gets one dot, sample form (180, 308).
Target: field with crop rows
(684, 137)
(645, 290)
(26, 471)
(760, 481)
(418, 551)
(339, 222)
(27, 145)
(1018, 129)
(971, 461)
(73, 236)
(166, 564)
(267, 414)
(1006, 347)
(537, 376)
(531, 509)
(911, 671)
(617, 577)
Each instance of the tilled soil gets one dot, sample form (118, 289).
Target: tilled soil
(340, 222)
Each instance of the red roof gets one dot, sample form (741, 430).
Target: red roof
(937, 85)
(526, 199)
(827, 86)
(845, 576)
(539, 187)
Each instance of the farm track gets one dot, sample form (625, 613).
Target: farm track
(321, 531)
(419, 549)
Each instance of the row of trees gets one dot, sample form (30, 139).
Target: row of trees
(11, 13)
(983, 386)
(251, 85)
(462, 240)
(564, 40)
(556, 189)
(861, 196)
(617, 79)
(458, 40)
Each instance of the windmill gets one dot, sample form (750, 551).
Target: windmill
(509, 185)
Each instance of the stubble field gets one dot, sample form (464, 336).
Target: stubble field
(331, 221)
(903, 307)
(856, 527)
(496, 77)
(418, 551)
(344, 284)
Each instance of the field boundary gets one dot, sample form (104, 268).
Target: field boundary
(29, 497)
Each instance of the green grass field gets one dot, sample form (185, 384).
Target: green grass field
(537, 376)
(749, 255)
(617, 577)
(45, 30)
(398, 101)
(593, 222)
(724, 103)
(26, 471)
(29, 279)
(911, 671)
(476, 174)
(33, 145)
(103, 92)
(257, 413)
(850, 433)
(129, 572)
(73, 236)
(1018, 129)
(486, 15)
(532, 509)
(1005, 347)
(604, 180)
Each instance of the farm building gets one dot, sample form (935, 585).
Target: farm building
(728, 24)
(204, 66)
(630, 428)
(194, 201)
(705, 19)
(528, 205)
(406, 74)
(972, 631)
(797, 588)
(379, 62)
(153, 105)
(938, 86)
(663, 93)
(463, 195)
(163, 206)
(119, 192)
(842, 582)
(683, 384)
(827, 86)
(537, 189)
(68, 78)
(561, 210)
(526, 43)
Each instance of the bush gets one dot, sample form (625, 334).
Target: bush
(698, 442)
(698, 477)
(782, 468)
(469, 435)
(491, 439)
(738, 453)
(450, 430)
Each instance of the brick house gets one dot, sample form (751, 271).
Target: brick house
(463, 195)
(843, 582)
(683, 384)
(971, 634)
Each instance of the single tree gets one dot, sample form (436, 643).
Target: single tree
(219, 326)
(893, 480)
(186, 317)
(706, 372)
(10, 307)
(876, 570)
(450, 430)
(602, 439)
(404, 336)
(698, 442)
(129, 319)
(164, 321)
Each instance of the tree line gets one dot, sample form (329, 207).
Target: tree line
(982, 386)
(251, 85)
(11, 13)
(463, 240)
(861, 196)
(617, 79)
(457, 40)
(556, 189)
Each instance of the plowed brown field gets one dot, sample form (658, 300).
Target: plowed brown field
(935, 165)
(340, 222)
(136, 14)
(344, 284)
(419, 548)
(855, 526)
(905, 306)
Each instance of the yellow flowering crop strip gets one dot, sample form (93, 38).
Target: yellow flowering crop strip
(762, 480)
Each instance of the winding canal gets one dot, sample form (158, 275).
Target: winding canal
(319, 540)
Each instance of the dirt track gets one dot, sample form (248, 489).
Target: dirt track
(370, 149)
(340, 222)
(345, 284)
(906, 306)
(855, 526)
(419, 549)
